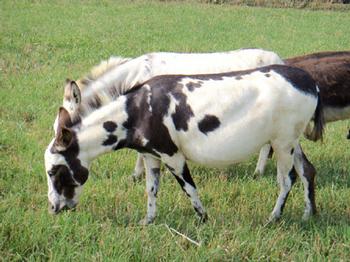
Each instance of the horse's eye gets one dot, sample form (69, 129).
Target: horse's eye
(50, 173)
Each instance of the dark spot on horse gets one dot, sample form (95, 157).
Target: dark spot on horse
(267, 75)
(208, 124)
(110, 126)
(292, 175)
(150, 205)
(141, 123)
(183, 112)
(111, 140)
(309, 174)
(80, 173)
(155, 170)
(238, 77)
(180, 181)
(197, 211)
(299, 78)
(132, 145)
(212, 76)
(192, 85)
(187, 176)
(264, 69)
(292, 151)
(69, 191)
(62, 180)
(152, 189)
(270, 153)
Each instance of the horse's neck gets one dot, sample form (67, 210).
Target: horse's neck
(95, 136)
(114, 83)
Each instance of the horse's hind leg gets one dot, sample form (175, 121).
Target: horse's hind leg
(178, 167)
(139, 168)
(307, 173)
(285, 177)
(265, 152)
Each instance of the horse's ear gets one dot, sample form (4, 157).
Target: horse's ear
(64, 138)
(72, 95)
(64, 135)
(64, 119)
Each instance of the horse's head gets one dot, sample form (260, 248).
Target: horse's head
(66, 170)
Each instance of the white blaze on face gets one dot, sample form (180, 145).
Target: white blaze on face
(50, 159)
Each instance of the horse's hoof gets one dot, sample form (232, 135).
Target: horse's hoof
(146, 221)
(136, 177)
(204, 218)
(273, 219)
(257, 174)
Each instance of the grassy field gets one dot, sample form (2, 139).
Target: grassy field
(44, 43)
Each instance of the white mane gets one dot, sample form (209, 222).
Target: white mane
(101, 69)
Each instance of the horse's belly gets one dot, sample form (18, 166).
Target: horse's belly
(223, 148)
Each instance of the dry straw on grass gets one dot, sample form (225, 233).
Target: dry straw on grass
(340, 5)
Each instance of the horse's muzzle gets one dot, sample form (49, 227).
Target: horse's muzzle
(55, 209)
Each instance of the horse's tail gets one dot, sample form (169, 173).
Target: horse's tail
(317, 132)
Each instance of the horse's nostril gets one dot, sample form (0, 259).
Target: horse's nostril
(53, 209)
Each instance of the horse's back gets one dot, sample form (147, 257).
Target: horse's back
(201, 63)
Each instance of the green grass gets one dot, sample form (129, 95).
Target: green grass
(43, 43)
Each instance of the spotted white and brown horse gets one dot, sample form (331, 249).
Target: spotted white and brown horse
(331, 71)
(123, 73)
(173, 119)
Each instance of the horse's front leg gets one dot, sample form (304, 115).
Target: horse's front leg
(152, 166)
(139, 168)
(178, 167)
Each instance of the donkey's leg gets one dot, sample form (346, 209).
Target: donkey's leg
(178, 167)
(139, 168)
(285, 177)
(263, 156)
(152, 182)
(307, 173)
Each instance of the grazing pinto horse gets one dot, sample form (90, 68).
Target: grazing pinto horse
(173, 118)
(124, 73)
(331, 71)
